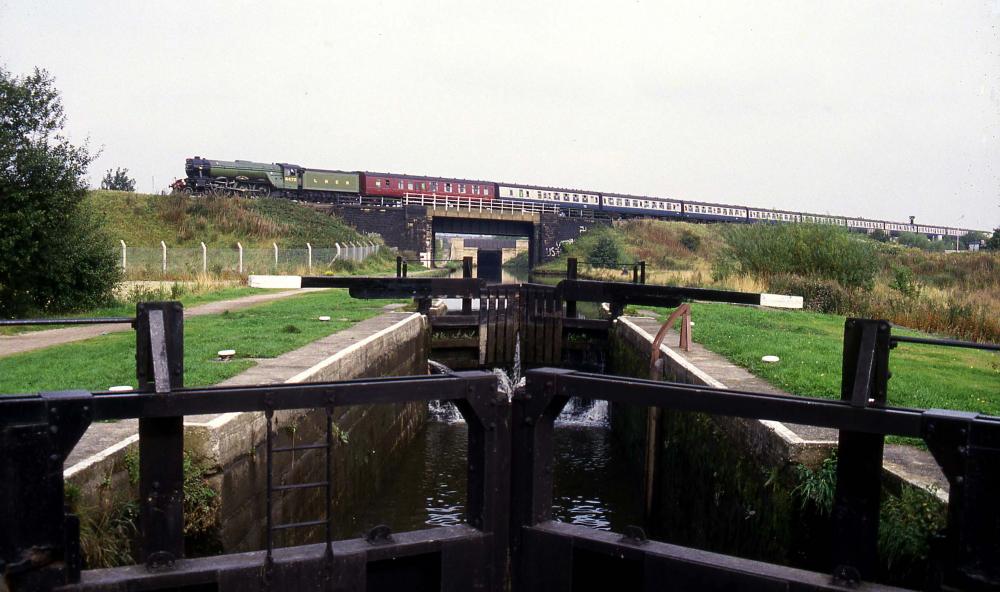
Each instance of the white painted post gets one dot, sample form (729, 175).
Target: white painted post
(124, 255)
(204, 258)
(240, 247)
(164, 246)
(337, 255)
(310, 249)
(275, 255)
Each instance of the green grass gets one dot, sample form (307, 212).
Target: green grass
(810, 346)
(263, 331)
(144, 220)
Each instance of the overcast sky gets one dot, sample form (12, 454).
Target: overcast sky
(877, 109)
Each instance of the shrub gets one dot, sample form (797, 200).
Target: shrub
(605, 253)
(690, 240)
(808, 250)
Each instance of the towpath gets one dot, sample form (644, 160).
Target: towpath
(25, 342)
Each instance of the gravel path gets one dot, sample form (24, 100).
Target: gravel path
(15, 344)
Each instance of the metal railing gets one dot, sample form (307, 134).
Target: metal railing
(477, 204)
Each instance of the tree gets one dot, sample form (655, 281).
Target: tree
(994, 243)
(118, 181)
(53, 255)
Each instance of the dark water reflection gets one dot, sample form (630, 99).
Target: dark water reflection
(594, 485)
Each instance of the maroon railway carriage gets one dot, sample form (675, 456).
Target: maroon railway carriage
(393, 185)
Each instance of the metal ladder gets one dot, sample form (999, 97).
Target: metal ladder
(273, 489)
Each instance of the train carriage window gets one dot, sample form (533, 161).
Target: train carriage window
(409, 185)
(447, 187)
(400, 183)
(520, 193)
(461, 188)
(378, 183)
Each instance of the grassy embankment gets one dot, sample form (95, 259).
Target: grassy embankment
(184, 222)
(263, 331)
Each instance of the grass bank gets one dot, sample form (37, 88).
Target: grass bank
(218, 221)
(810, 346)
(264, 331)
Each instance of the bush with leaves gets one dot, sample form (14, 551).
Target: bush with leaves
(53, 257)
(606, 252)
(118, 180)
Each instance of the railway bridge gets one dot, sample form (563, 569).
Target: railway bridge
(413, 223)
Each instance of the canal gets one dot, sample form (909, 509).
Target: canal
(596, 485)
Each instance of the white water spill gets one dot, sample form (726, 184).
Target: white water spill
(444, 412)
(584, 412)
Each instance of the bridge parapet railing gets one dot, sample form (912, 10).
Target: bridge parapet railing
(474, 204)
(40, 541)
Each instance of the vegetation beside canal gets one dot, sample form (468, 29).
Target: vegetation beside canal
(263, 331)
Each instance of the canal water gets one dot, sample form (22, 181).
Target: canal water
(595, 484)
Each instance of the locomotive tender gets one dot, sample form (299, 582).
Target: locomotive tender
(294, 181)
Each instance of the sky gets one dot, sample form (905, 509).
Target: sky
(877, 109)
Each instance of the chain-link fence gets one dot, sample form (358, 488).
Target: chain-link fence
(153, 262)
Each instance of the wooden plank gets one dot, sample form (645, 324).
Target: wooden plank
(491, 345)
(483, 327)
(501, 335)
(557, 332)
(513, 323)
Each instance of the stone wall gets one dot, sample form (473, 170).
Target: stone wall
(407, 228)
(367, 441)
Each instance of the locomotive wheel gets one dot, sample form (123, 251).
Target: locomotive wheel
(263, 190)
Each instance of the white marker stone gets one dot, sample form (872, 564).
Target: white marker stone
(770, 359)
(123, 388)
(226, 354)
(324, 318)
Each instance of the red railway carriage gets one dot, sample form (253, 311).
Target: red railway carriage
(394, 185)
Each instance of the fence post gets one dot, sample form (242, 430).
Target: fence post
(404, 268)
(310, 249)
(275, 255)
(160, 369)
(337, 255)
(204, 258)
(240, 247)
(164, 246)
(642, 272)
(124, 255)
(635, 273)
(399, 266)
(466, 273)
(571, 275)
